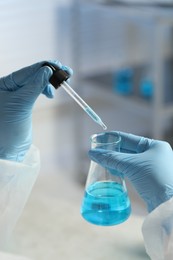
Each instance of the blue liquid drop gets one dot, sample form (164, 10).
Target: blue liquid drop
(105, 204)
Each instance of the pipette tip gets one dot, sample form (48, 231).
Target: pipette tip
(103, 126)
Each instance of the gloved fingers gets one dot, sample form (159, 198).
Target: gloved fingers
(54, 62)
(20, 78)
(23, 76)
(63, 67)
(37, 84)
(133, 143)
(121, 162)
(49, 91)
(68, 70)
(41, 80)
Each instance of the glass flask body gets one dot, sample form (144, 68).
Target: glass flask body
(106, 200)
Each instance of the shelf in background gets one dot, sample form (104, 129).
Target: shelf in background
(104, 81)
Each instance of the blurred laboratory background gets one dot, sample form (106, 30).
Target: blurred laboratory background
(121, 56)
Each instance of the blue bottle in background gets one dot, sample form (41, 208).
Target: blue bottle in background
(123, 81)
(147, 88)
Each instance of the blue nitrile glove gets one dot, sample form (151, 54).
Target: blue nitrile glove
(147, 163)
(18, 93)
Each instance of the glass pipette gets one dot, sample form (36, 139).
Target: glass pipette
(83, 104)
(59, 78)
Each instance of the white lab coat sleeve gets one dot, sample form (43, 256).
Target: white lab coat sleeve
(16, 182)
(157, 231)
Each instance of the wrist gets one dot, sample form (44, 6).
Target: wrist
(161, 197)
(13, 157)
(14, 154)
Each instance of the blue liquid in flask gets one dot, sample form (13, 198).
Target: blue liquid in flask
(105, 204)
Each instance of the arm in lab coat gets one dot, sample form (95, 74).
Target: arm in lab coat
(19, 159)
(157, 231)
(16, 182)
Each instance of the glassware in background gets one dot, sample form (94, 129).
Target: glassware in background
(106, 200)
(147, 88)
(123, 81)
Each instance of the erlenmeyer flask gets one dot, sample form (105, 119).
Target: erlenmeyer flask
(106, 200)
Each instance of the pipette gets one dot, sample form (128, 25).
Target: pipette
(59, 78)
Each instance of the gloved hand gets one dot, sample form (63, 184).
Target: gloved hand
(147, 163)
(18, 93)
